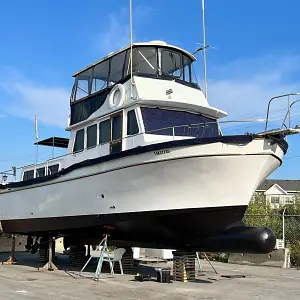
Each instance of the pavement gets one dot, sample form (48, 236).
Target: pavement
(25, 281)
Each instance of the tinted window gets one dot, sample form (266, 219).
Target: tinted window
(53, 169)
(162, 121)
(92, 136)
(116, 127)
(40, 172)
(79, 141)
(28, 175)
(132, 125)
(104, 132)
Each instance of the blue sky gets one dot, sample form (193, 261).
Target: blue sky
(255, 56)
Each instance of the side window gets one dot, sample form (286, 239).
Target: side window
(92, 136)
(53, 169)
(79, 141)
(187, 69)
(104, 132)
(171, 63)
(28, 175)
(132, 125)
(40, 172)
(116, 67)
(100, 76)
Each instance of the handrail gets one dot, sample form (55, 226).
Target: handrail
(288, 112)
(202, 124)
(288, 109)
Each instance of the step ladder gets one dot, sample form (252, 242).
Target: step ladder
(102, 249)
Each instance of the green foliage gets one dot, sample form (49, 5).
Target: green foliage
(259, 205)
(295, 253)
(260, 213)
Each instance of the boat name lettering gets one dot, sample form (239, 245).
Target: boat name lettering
(159, 152)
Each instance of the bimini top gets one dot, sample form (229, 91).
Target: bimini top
(144, 44)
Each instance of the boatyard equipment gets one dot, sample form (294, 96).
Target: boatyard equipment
(49, 266)
(102, 247)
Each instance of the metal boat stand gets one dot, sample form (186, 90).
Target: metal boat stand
(49, 266)
(12, 259)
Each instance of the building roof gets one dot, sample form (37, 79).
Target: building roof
(287, 185)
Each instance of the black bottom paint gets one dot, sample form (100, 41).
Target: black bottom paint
(207, 229)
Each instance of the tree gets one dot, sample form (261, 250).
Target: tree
(260, 213)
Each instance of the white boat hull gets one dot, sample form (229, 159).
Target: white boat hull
(197, 177)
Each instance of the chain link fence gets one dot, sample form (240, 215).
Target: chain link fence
(285, 227)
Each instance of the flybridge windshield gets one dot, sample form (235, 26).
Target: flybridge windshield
(153, 61)
(180, 123)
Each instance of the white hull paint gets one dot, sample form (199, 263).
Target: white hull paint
(200, 176)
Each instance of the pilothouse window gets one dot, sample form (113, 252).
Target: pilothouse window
(180, 123)
(104, 132)
(92, 136)
(132, 125)
(79, 141)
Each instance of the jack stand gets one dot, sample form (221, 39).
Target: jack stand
(49, 266)
(12, 259)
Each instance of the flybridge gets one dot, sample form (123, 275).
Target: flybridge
(153, 60)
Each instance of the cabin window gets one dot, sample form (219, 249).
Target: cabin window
(180, 123)
(40, 172)
(104, 132)
(132, 125)
(79, 141)
(92, 136)
(171, 63)
(145, 60)
(53, 169)
(116, 137)
(100, 75)
(28, 175)
(117, 127)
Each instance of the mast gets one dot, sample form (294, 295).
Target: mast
(204, 49)
(130, 28)
(36, 139)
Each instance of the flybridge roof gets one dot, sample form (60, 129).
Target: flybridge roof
(153, 43)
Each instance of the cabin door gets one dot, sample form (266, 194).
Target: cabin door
(116, 123)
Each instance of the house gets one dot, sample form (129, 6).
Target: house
(279, 192)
